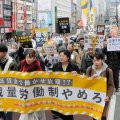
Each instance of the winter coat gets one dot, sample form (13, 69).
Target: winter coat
(12, 66)
(35, 66)
(112, 58)
(87, 61)
(81, 54)
(110, 83)
(75, 58)
(71, 67)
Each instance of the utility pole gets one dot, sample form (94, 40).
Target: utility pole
(116, 13)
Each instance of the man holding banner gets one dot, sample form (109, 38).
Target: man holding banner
(99, 68)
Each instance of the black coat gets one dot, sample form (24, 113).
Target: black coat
(71, 67)
(112, 58)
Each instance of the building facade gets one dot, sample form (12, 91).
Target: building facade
(74, 17)
(24, 15)
(5, 16)
(60, 9)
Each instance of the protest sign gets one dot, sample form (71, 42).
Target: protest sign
(50, 49)
(24, 38)
(100, 29)
(58, 91)
(63, 25)
(95, 41)
(113, 44)
(41, 36)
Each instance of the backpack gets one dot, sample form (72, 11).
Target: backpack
(107, 73)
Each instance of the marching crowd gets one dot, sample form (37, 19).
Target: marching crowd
(91, 62)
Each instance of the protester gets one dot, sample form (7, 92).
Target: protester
(6, 63)
(65, 65)
(100, 68)
(81, 51)
(74, 55)
(16, 53)
(87, 60)
(30, 64)
(112, 59)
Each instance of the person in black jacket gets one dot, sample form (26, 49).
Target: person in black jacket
(112, 60)
(64, 65)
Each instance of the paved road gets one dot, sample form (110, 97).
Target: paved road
(49, 117)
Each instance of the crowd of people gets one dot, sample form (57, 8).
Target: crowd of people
(91, 62)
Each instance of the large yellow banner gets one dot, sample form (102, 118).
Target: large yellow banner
(62, 92)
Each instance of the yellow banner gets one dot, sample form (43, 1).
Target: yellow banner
(62, 92)
(85, 11)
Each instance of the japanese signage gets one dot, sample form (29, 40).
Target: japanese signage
(1, 13)
(113, 44)
(23, 36)
(63, 25)
(100, 29)
(7, 13)
(59, 91)
(95, 41)
(14, 4)
(41, 36)
(50, 49)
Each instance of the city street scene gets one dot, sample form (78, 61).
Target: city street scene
(59, 59)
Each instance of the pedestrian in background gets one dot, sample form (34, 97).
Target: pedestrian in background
(112, 60)
(74, 55)
(87, 60)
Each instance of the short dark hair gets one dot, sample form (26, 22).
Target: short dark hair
(3, 48)
(99, 56)
(67, 53)
(82, 38)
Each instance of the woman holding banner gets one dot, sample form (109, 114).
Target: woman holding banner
(64, 65)
(30, 64)
(99, 68)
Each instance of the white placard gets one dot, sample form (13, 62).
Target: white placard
(50, 49)
(113, 44)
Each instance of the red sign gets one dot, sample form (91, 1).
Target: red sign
(14, 16)
(1, 13)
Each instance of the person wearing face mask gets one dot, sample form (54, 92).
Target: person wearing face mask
(6, 63)
(16, 53)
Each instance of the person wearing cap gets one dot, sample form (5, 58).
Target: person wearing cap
(6, 63)
(81, 50)
(87, 60)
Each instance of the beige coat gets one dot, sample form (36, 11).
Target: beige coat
(75, 58)
(110, 86)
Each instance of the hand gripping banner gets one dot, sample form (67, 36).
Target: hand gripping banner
(62, 92)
